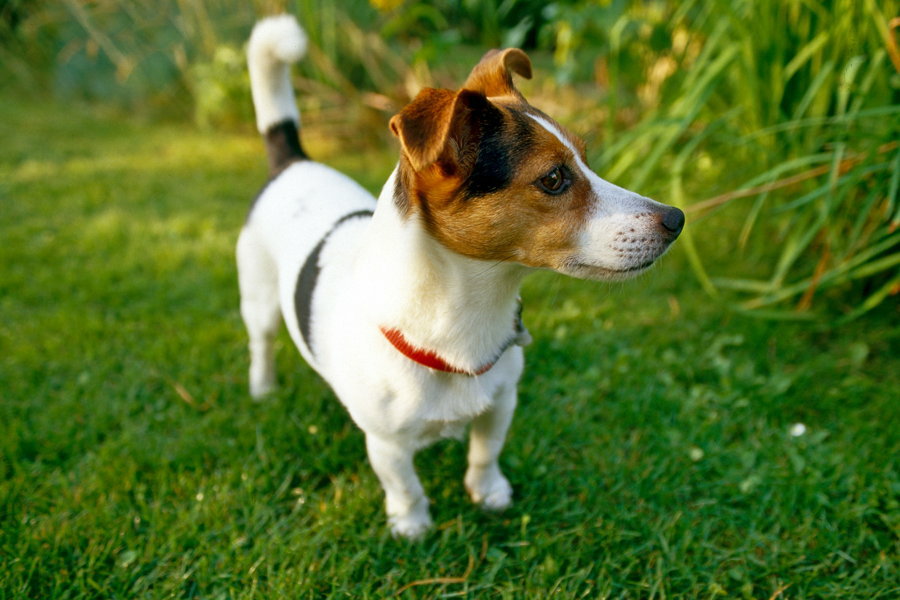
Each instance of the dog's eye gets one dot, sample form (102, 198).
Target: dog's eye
(555, 182)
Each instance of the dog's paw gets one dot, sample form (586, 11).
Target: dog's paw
(259, 392)
(261, 385)
(408, 521)
(410, 527)
(499, 498)
(489, 489)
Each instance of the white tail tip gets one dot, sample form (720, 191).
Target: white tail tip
(275, 43)
(281, 37)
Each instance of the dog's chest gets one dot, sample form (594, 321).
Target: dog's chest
(446, 415)
(418, 405)
(448, 403)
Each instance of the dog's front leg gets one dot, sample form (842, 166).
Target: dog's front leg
(485, 483)
(407, 506)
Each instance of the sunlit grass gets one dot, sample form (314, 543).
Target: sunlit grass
(651, 455)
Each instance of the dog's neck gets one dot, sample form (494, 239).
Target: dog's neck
(463, 309)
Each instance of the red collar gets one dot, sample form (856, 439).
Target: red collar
(428, 358)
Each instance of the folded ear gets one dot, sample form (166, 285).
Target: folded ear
(441, 125)
(492, 76)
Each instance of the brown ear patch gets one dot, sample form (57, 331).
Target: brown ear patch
(498, 213)
(423, 124)
(492, 76)
(441, 126)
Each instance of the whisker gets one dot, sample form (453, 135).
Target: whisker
(497, 263)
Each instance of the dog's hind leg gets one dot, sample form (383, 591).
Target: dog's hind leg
(258, 280)
(485, 483)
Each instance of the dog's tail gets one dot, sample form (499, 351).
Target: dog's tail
(275, 43)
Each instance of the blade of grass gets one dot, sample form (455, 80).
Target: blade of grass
(794, 246)
(744, 285)
(677, 198)
(805, 54)
(860, 235)
(775, 315)
(815, 88)
(690, 248)
(836, 276)
(893, 188)
(885, 29)
(891, 288)
(690, 106)
(877, 266)
(716, 201)
(661, 133)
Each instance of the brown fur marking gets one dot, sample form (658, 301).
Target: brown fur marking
(470, 166)
(492, 76)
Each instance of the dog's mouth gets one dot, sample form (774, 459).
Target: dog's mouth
(583, 270)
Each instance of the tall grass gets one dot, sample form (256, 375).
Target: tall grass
(184, 59)
(794, 107)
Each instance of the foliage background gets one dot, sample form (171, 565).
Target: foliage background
(786, 113)
(653, 455)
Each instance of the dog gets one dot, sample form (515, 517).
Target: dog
(408, 306)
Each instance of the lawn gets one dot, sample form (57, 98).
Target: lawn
(665, 446)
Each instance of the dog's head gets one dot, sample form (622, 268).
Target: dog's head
(493, 178)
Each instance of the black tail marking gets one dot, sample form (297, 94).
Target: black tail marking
(283, 146)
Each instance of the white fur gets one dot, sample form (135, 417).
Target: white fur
(275, 43)
(386, 272)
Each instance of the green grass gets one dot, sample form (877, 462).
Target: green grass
(651, 455)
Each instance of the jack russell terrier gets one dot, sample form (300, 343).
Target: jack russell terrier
(408, 306)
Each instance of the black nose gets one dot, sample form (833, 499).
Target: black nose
(673, 221)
